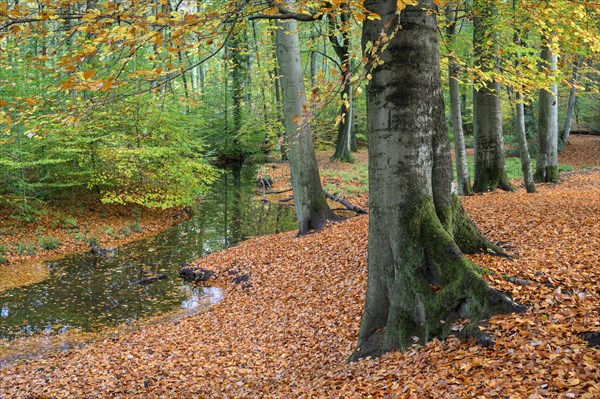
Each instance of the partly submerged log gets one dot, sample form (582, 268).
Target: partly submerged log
(149, 279)
(102, 252)
(190, 274)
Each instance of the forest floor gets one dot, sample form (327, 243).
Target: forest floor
(289, 332)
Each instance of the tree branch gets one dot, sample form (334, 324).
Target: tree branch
(296, 16)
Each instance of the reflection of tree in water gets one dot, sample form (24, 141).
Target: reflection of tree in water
(245, 215)
(87, 292)
(236, 212)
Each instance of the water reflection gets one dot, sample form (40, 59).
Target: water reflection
(87, 292)
(200, 296)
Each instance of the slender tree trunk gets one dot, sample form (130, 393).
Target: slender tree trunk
(520, 128)
(195, 77)
(460, 154)
(419, 282)
(523, 147)
(353, 138)
(344, 136)
(572, 100)
(202, 77)
(279, 106)
(186, 90)
(490, 168)
(312, 209)
(237, 51)
(530, 125)
(342, 49)
(263, 96)
(547, 159)
(313, 65)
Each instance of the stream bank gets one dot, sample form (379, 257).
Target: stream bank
(85, 293)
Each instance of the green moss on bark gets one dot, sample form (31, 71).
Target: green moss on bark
(433, 286)
(466, 235)
(490, 180)
(552, 174)
(530, 188)
(549, 174)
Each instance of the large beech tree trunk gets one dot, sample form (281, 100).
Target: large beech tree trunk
(312, 209)
(419, 282)
(547, 159)
(490, 168)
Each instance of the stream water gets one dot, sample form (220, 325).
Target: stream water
(88, 293)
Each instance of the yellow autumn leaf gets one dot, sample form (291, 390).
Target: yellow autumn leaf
(89, 74)
(402, 4)
(67, 84)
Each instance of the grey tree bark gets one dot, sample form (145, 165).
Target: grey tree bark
(312, 209)
(341, 47)
(279, 106)
(547, 159)
(523, 146)
(419, 282)
(236, 52)
(490, 168)
(571, 106)
(462, 169)
(520, 119)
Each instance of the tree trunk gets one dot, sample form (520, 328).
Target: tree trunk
(313, 66)
(572, 100)
(279, 106)
(263, 96)
(353, 138)
(490, 168)
(462, 169)
(344, 136)
(202, 77)
(523, 147)
(312, 209)
(519, 110)
(419, 282)
(342, 50)
(236, 53)
(547, 159)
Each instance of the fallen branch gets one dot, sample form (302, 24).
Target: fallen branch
(277, 192)
(149, 279)
(342, 201)
(330, 196)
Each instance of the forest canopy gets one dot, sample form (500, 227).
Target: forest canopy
(139, 101)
